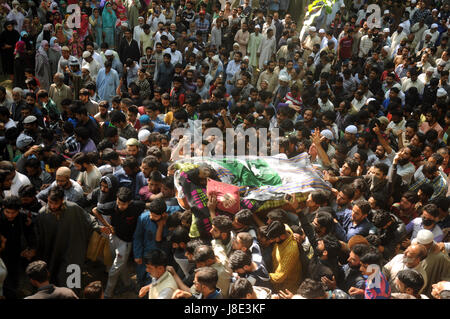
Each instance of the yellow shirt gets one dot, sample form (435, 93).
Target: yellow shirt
(286, 265)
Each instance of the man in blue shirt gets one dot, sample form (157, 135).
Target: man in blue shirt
(146, 237)
(130, 176)
(355, 222)
(107, 82)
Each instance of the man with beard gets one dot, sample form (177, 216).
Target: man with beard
(124, 216)
(405, 210)
(222, 238)
(242, 263)
(352, 275)
(381, 156)
(322, 147)
(356, 222)
(63, 231)
(377, 180)
(362, 144)
(390, 231)
(72, 190)
(128, 48)
(410, 259)
(149, 235)
(130, 176)
(285, 258)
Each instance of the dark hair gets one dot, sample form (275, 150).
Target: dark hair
(431, 209)
(56, 193)
(207, 276)
(27, 191)
(239, 259)
(246, 239)
(94, 290)
(180, 235)
(240, 289)
(411, 279)
(12, 202)
(411, 197)
(360, 249)
(203, 253)
(349, 191)
(223, 223)
(124, 194)
(311, 289)
(158, 206)
(275, 229)
(319, 197)
(244, 216)
(117, 117)
(363, 205)
(373, 256)
(37, 270)
(384, 168)
(157, 258)
(324, 219)
(332, 245)
(278, 214)
(130, 162)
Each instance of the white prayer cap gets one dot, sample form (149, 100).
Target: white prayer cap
(124, 24)
(327, 134)
(86, 68)
(143, 135)
(441, 92)
(351, 129)
(283, 78)
(86, 54)
(139, 18)
(434, 26)
(434, 10)
(109, 53)
(413, 1)
(402, 25)
(430, 69)
(425, 237)
(245, 58)
(312, 29)
(343, 5)
(321, 31)
(386, 30)
(386, 11)
(216, 59)
(257, 27)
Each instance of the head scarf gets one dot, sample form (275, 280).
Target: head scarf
(20, 48)
(42, 51)
(107, 200)
(23, 34)
(53, 45)
(84, 25)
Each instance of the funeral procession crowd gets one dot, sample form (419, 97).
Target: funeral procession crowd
(102, 197)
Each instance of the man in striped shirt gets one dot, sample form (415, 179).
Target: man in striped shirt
(432, 176)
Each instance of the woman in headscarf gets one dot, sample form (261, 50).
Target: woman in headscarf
(30, 50)
(19, 64)
(54, 54)
(104, 197)
(68, 32)
(46, 34)
(109, 20)
(59, 34)
(56, 17)
(8, 39)
(84, 29)
(42, 69)
(75, 44)
(97, 26)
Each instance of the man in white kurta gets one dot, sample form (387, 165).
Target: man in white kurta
(242, 37)
(267, 48)
(253, 46)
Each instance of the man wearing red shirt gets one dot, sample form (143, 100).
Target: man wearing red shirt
(345, 46)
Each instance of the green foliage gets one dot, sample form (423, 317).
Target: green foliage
(319, 4)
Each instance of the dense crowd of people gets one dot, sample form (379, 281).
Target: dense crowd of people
(89, 154)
